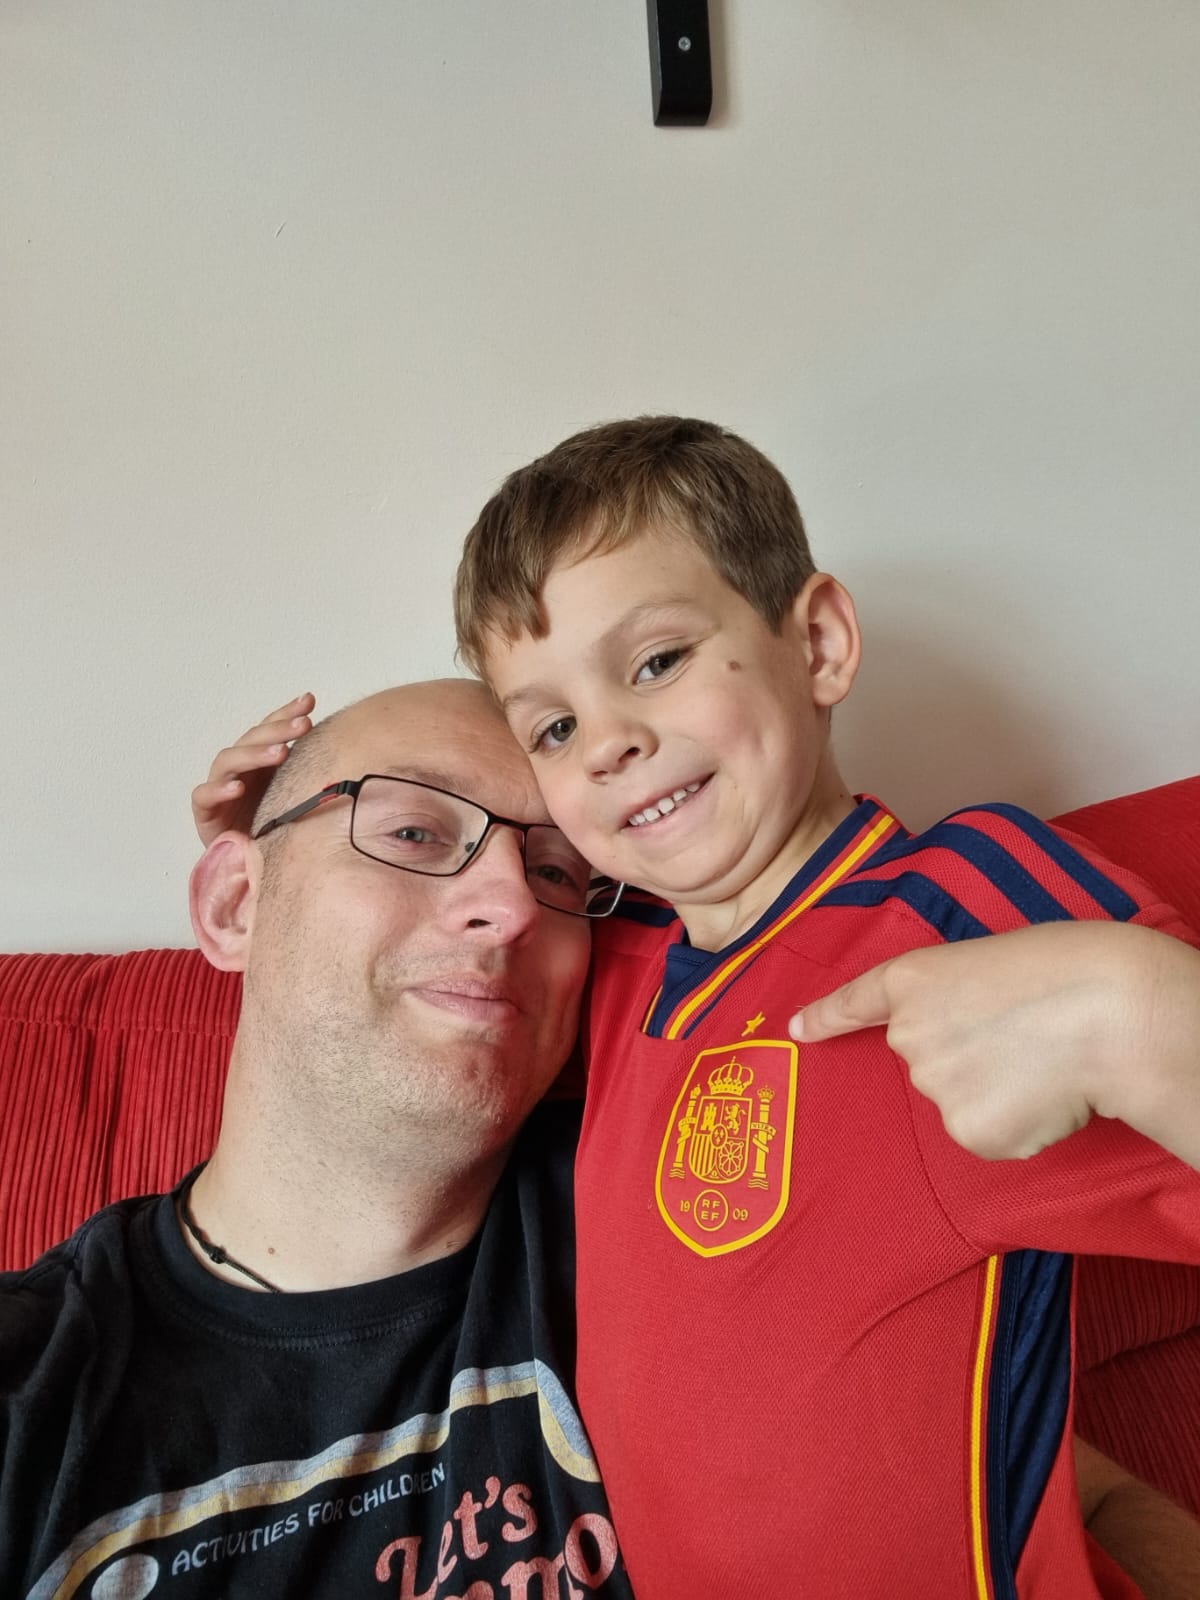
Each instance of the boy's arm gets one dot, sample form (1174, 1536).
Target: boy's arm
(1019, 1038)
(239, 775)
(1149, 1537)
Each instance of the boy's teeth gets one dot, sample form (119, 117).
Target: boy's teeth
(663, 807)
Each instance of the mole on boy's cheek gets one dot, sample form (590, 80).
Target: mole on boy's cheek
(733, 666)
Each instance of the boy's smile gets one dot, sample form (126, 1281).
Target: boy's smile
(664, 806)
(679, 741)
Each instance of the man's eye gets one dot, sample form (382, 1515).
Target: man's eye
(658, 665)
(554, 734)
(551, 874)
(571, 879)
(411, 835)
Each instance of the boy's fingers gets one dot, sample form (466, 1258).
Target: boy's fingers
(271, 732)
(861, 1003)
(299, 707)
(239, 775)
(208, 797)
(244, 758)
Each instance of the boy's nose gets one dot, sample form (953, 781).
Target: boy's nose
(613, 744)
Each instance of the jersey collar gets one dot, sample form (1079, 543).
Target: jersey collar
(693, 980)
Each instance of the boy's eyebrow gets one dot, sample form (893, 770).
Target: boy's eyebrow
(636, 616)
(521, 697)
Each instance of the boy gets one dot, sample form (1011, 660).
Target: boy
(823, 1349)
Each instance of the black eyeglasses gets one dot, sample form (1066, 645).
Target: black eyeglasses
(430, 831)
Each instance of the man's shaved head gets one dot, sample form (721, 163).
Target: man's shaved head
(315, 761)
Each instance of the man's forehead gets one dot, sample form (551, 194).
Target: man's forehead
(441, 777)
(496, 788)
(504, 784)
(448, 734)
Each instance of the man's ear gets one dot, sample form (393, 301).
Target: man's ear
(222, 898)
(824, 614)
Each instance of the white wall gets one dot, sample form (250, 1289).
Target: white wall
(287, 288)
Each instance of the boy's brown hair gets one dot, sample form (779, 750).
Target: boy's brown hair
(604, 487)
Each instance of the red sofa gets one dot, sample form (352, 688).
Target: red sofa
(111, 1070)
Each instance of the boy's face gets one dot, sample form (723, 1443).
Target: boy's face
(677, 739)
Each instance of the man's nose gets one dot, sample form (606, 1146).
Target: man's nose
(491, 896)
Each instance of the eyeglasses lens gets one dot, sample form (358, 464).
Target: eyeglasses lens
(560, 877)
(410, 826)
(423, 830)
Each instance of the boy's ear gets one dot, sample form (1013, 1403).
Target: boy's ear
(824, 614)
(222, 898)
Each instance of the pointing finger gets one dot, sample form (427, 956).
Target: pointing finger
(861, 1003)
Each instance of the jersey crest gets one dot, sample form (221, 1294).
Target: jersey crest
(726, 1157)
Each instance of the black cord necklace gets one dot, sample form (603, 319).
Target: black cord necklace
(214, 1252)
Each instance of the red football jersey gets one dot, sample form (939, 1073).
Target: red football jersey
(824, 1351)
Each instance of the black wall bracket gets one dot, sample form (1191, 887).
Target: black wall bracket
(680, 62)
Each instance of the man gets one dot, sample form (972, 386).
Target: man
(339, 1361)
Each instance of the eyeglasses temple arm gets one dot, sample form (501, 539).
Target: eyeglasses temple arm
(330, 792)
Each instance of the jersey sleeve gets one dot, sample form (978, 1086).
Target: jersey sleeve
(1105, 1190)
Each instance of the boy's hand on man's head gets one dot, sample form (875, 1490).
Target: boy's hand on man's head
(239, 775)
(1020, 1037)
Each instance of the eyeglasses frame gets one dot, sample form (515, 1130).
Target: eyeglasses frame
(492, 819)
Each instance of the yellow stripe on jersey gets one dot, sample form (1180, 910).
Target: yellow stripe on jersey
(979, 1560)
(883, 823)
(650, 1008)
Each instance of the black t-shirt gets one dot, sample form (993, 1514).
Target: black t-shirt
(165, 1434)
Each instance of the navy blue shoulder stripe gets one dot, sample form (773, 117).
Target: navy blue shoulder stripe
(1019, 887)
(928, 899)
(1028, 1389)
(647, 913)
(1023, 891)
(1119, 906)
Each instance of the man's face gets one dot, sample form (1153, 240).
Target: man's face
(675, 736)
(397, 996)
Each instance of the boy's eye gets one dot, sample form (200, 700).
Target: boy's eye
(554, 734)
(658, 665)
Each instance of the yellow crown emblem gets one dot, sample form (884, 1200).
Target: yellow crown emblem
(731, 1077)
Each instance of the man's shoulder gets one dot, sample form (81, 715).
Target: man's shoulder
(84, 1269)
(525, 1263)
(544, 1153)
